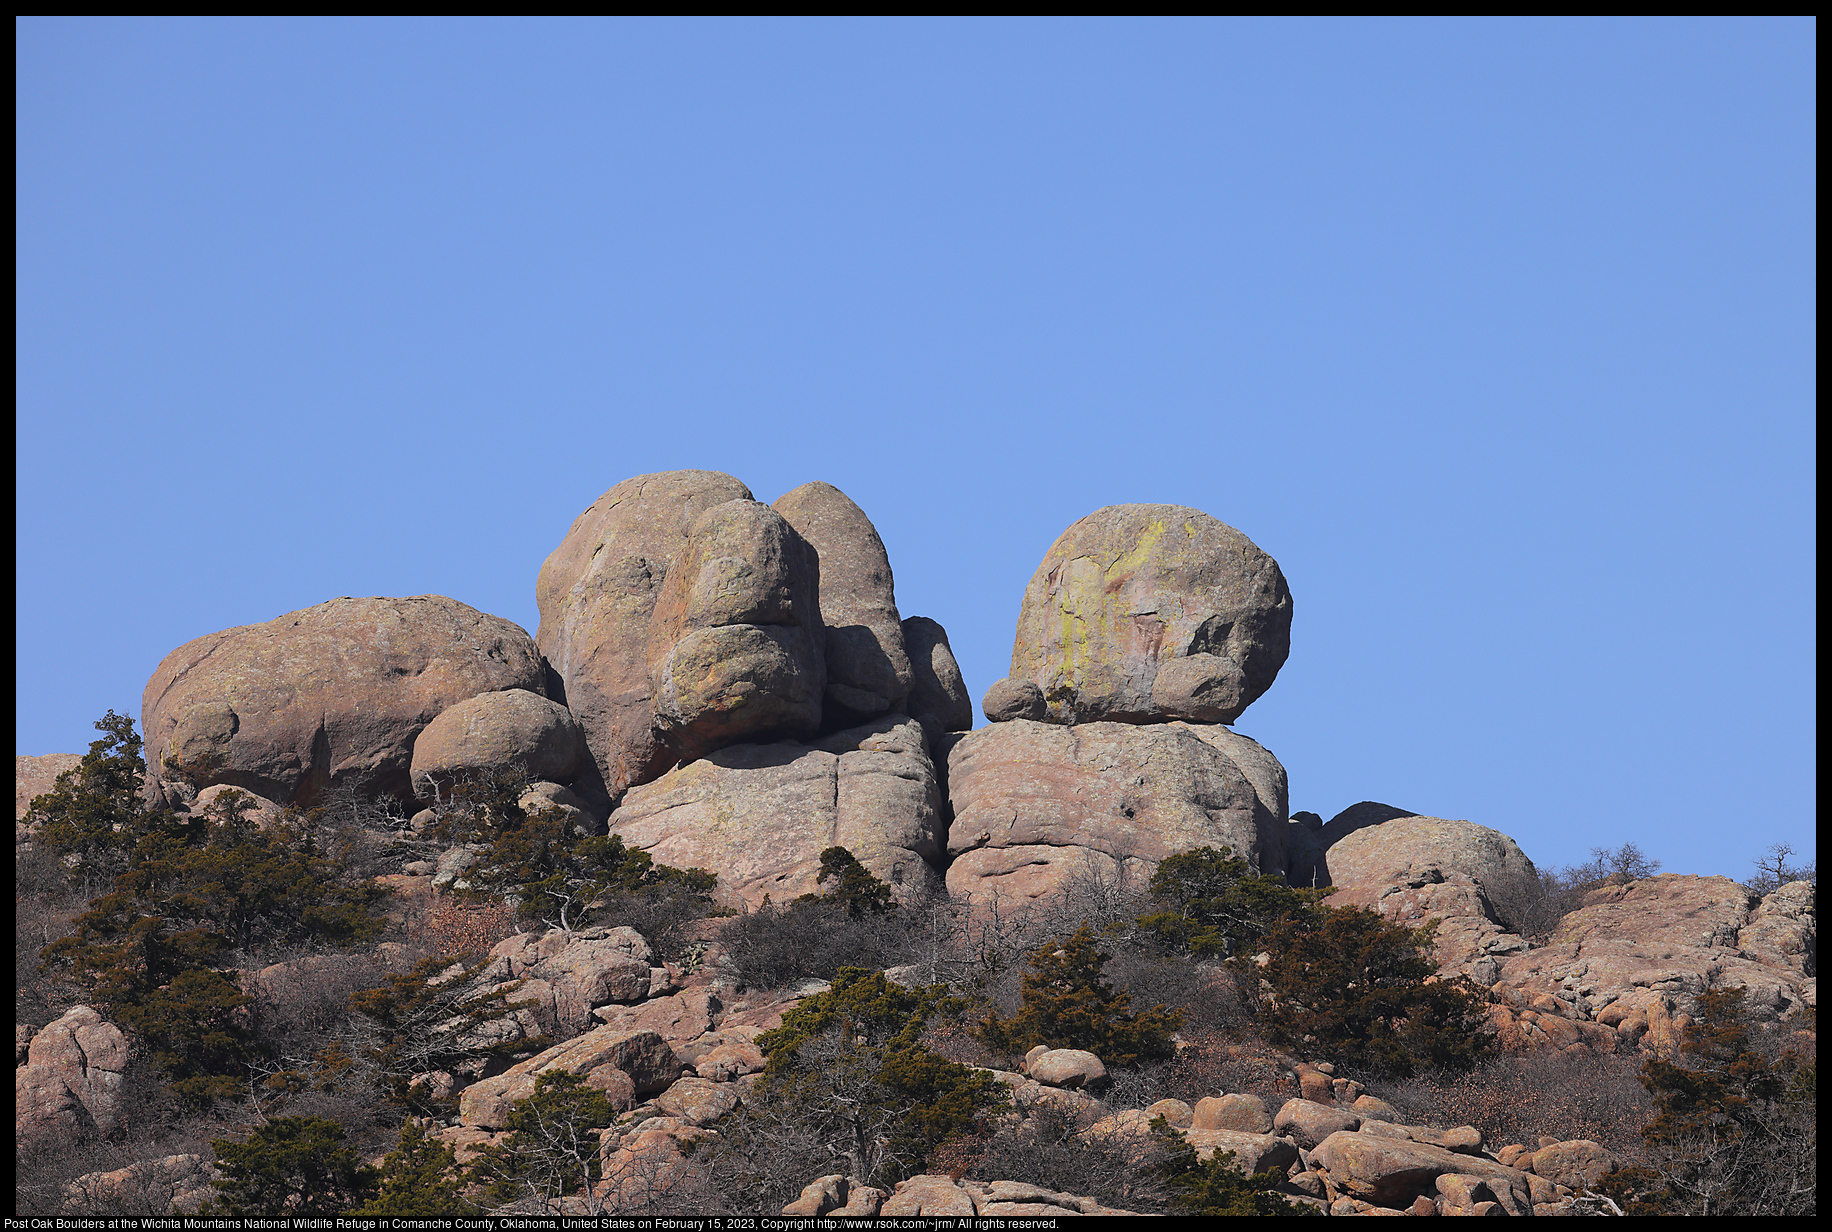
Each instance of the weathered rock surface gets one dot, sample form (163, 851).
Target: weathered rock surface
(511, 729)
(1578, 1164)
(1309, 1122)
(1392, 1171)
(71, 1082)
(1357, 817)
(1070, 1068)
(735, 649)
(1141, 613)
(1240, 1112)
(761, 814)
(329, 695)
(597, 592)
(936, 687)
(1380, 852)
(1631, 959)
(697, 1100)
(170, 1185)
(34, 776)
(1036, 804)
(582, 970)
(1009, 699)
(642, 1056)
(868, 666)
(258, 809)
(1470, 939)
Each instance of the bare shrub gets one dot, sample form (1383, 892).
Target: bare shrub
(1519, 1098)
(1776, 868)
(775, 946)
(40, 918)
(452, 928)
(1534, 906)
(1045, 1146)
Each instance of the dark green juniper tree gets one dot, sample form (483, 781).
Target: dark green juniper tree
(188, 893)
(1736, 1131)
(1066, 1004)
(1348, 985)
(294, 1167)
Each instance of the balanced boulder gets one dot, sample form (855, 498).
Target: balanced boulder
(937, 692)
(1142, 613)
(329, 695)
(596, 593)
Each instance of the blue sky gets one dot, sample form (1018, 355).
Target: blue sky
(1496, 333)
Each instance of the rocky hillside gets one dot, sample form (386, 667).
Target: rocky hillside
(727, 686)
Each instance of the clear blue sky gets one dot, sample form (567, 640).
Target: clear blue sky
(1496, 333)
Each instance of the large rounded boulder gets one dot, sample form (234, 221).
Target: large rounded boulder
(735, 640)
(1145, 613)
(596, 593)
(868, 668)
(1386, 850)
(329, 695)
(511, 729)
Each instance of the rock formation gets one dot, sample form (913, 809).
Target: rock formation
(938, 696)
(512, 729)
(328, 695)
(761, 814)
(736, 647)
(1036, 804)
(868, 667)
(596, 593)
(1144, 630)
(70, 1084)
(34, 776)
(1142, 613)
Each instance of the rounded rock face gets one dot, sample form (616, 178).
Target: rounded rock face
(936, 687)
(331, 694)
(868, 666)
(1142, 613)
(596, 593)
(511, 728)
(1037, 805)
(1371, 853)
(735, 641)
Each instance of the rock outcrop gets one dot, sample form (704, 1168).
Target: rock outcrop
(329, 695)
(1143, 613)
(70, 1085)
(34, 776)
(761, 814)
(938, 696)
(1623, 969)
(1618, 973)
(1037, 804)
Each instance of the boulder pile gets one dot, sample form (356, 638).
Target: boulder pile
(1145, 630)
(731, 686)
